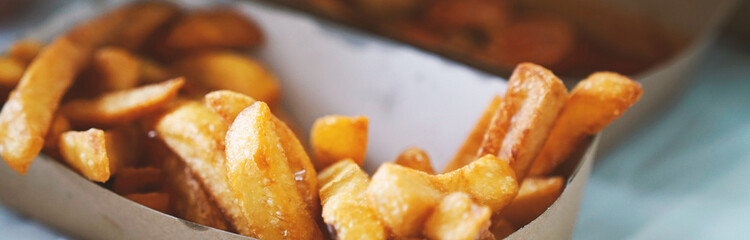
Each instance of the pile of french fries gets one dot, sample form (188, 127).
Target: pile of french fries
(162, 106)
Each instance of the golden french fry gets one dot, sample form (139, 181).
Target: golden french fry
(189, 199)
(534, 197)
(415, 158)
(230, 71)
(257, 166)
(524, 119)
(115, 69)
(593, 104)
(144, 19)
(228, 105)
(468, 151)
(93, 33)
(404, 197)
(457, 217)
(138, 180)
(501, 227)
(216, 28)
(27, 115)
(11, 71)
(121, 106)
(345, 208)
(86, 152)
(25, 50)
(334, 138)
(156, 201)
(196, 135)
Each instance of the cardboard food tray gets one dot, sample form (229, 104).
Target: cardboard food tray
(411, 98)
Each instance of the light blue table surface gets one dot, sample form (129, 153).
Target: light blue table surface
(683, 176)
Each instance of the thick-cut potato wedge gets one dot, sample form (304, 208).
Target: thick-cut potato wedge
(404, 197)
(261, 179)
(25, 50)
(468, 151)
(189, 199)
(156, 201)
(229, 104)
(334, 138)
(534, 197)
(144, 19)
(138, 180)
(121, 106)
(86, 152)
(501, 227)
(345, 207)
(115, 69)
(216, 28)
(457, 217)
(11, 71)
(230, 71)
(196, 135)
(524, 119)
(27, 115)
(593, 104)
(415, 158)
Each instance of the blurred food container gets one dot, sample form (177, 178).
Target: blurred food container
(409, 96)
(657, 42)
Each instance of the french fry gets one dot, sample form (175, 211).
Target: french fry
(145, 18)
(138, 180)
(257, 166)
(404, 197)
(524, 119)
(216, 28)
(457, 217)
(86, 152)
(27, 115)
(501, 227)
(189, 199)
(468, 151)
(91, 34)
(593, 104)
(11, 71)
(228, 105)
(121, 106)
(345, 208)
(196, 135)
(230, 71)
(25, 50)
(334, 138)
(534, 197)
(415, 158)
(115, 69)
(156, 201)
